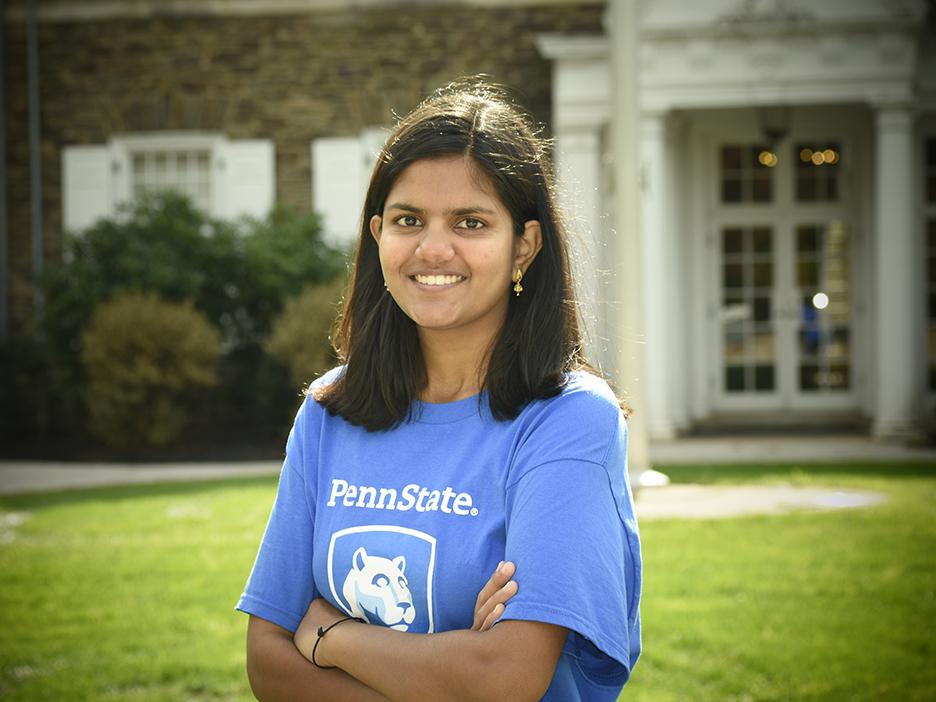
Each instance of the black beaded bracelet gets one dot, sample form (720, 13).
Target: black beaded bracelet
(321, 633)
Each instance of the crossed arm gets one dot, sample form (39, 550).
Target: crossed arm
(514, 660)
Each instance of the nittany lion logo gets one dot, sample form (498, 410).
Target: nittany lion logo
(378, 590)
(385, 575)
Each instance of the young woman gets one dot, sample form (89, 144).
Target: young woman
(464, 435)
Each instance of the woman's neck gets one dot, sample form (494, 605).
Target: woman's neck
(455, 365)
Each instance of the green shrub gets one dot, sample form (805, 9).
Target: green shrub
(239, 274)
(142, 356)
(300, 333)
(283, 254)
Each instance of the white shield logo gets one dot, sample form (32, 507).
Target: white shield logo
(384, 573)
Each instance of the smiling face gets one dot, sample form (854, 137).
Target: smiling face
(448, 249)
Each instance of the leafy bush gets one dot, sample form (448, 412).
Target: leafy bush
(238, 274)
(300, 334)
(283, 254)
(143, 355)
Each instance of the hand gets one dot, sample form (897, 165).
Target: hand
(493, 596)
(320, 613)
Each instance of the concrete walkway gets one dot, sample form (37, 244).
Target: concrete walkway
(785, 449)
(42, 476)
(723, 501)
(683, 501)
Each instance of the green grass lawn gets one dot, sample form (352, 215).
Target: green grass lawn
(127, 593)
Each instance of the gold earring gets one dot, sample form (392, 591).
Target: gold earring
(517, 278)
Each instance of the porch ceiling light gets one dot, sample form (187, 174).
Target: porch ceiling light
(775, 122)
(767, 158)
(819, 157)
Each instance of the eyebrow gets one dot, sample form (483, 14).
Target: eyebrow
(473, 209)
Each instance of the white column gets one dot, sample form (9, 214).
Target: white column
(678, 270)
(580, 95)
(657, 272)
(578, 168)
(899, 382)
(623, 21)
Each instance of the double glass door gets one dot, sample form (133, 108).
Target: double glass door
(783, 256)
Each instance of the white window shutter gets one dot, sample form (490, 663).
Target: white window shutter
(339, 179)
(372, 142)
(121, 178)
(87, 185)
(246, 181)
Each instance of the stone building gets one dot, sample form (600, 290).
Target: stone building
(788, 164)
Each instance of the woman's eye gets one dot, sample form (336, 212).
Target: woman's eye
(408, 220)
(471, 223)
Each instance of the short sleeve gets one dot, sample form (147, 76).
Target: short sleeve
(572, 532)
(280, 586)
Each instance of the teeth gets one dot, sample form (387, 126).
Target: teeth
(438, 279)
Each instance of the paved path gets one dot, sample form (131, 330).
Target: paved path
(685, 501)
(722, 501)
(42, 476)
(679, 501)
(784, 449)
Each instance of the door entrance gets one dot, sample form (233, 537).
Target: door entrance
(782, 253)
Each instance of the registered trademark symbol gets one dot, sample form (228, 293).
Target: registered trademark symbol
(474, 511)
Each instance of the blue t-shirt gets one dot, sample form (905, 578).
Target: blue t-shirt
(404, 527)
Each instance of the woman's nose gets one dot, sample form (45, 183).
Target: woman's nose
(435, 244)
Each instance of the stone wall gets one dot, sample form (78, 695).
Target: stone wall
(287, 78)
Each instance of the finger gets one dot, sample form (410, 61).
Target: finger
(500, 578)
(487, 590)
(497, 580)
(499, 598)
(495, 614)
(499, 602)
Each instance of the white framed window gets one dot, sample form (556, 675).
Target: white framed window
(224, 178)
(745, 174)
(187, 171)
(819, 171)
(341, 169)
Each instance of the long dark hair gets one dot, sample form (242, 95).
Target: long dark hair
(541, 338)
